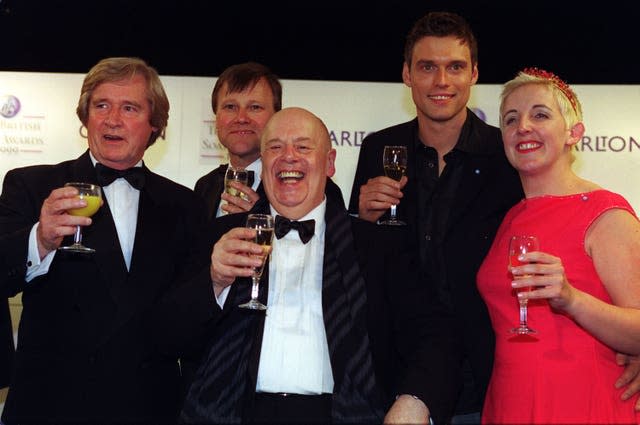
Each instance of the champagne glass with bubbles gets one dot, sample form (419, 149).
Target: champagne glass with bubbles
(93, 195)
(263, 225)
(519, 245)
(394, 162)
(237, 174)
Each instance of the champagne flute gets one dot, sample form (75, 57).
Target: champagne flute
(93, 195)
(394, 162)
(519, 245)
(238, 174)
(263, 225)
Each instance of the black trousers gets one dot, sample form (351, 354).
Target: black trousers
(286, 408)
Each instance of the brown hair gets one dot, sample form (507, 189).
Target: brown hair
(123, 68)
(441, 24)
(242, 76)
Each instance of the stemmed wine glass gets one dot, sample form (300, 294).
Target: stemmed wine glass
(238, 174)
(394, 162)
(519, 245)
(93, 195)
(263, 225)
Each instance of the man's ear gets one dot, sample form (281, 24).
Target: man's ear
(331, 163)
(406, 74)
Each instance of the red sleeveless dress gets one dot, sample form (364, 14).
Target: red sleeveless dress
(562, 374)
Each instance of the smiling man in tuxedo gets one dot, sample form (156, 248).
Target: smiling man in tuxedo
(83, 355)
(340, 341)
(244, 97)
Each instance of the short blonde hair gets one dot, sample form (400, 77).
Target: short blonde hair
(570, 106)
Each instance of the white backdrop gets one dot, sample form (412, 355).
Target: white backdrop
(38, 125)
(45, 128)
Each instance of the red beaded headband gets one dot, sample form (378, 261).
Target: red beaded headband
(561, 85)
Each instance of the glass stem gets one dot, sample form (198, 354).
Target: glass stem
(393, 212)
(78, 235)
(254, 287)
(523, 314)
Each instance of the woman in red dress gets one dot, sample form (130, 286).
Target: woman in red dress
(585, 302)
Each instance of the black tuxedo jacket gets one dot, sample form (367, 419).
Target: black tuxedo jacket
(6, 343)
(83, 352)
(211, 186)
(401, 316)
(489, 186)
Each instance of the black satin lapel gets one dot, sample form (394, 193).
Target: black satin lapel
(340, 261)
(356, 398)
(217, 187)
(224, 385)
(101, 235)
(243, 297)
(83, 169)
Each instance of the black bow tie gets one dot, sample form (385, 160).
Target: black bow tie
(250, 178)
(106, 175)
(305, 228)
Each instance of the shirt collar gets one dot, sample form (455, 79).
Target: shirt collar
(464, 144)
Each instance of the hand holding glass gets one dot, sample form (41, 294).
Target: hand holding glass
(519, 245)
(394, 162)
(263, 225)
(240, 175)
(93, 195)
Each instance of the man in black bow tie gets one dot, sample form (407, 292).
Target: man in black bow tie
(244, 97)
(345, 333)
(83, 354)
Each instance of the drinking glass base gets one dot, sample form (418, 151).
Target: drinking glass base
(76, 247)
(393, 223)
(253, 305)
(523, 330)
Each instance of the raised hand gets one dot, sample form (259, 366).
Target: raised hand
(55, 223)
(235, 204)
(378, 195)
(229, 257)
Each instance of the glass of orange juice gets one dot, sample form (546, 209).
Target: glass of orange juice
(93, 195)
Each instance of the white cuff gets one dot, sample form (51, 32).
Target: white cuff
(35, 266)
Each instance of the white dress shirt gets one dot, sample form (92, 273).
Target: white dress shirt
(123, 202)
(295, 354)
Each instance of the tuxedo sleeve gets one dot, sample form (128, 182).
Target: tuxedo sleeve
(19, 211)
(185, 317)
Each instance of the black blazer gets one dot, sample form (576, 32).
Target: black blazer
(400, 314)
(489, 186)
(211, 186)
(83, 351)
(6, 343)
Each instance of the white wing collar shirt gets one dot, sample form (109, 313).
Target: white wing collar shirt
(295, 354)
(123, 200)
